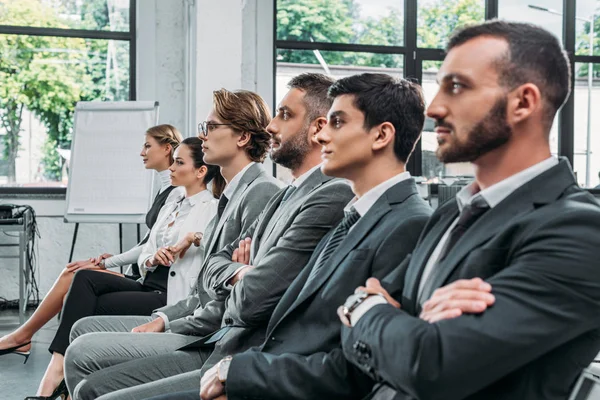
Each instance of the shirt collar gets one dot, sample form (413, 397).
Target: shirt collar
(165, 179)
(230, 188)
(494, 194)
(302, 178)
(363, 204)
(204, 195)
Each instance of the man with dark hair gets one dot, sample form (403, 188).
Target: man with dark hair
(373, 125)
(245, 279)
(524, 226)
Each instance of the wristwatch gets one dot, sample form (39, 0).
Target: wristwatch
(101, 264)
(197, 238)
(355, 300)
(223, 369)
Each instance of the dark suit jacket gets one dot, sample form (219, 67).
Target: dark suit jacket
(538, 249)
(284, 238)
(305, 325)
(255, 189)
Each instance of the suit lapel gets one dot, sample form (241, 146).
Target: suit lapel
(287, 210)
(543, 189)
(265, 220)
(396, 194)
(249, 176)
(423, 251)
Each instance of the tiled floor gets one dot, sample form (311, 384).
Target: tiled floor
(17, 380)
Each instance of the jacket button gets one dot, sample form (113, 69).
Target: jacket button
(228, 321)
(273, 338)
(172, 273)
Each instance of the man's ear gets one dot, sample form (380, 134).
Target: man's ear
(523, 102)
(244, 139)
(315, 127)
(384, 136)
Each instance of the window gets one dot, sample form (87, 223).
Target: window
(53, 54)
(338, 38)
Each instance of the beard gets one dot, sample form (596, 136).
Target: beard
(488, 134)
(291, 153)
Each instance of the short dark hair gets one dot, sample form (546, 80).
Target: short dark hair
(246, 111)
(534, 56)
(382, 98)
(315, 87)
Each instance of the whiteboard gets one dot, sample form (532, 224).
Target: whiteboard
(107, 180)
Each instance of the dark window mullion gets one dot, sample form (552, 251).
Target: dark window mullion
(566, 118)
(56, 32)
(322, 46)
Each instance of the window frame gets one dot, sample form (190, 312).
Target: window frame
(33, 192)
(414, 56)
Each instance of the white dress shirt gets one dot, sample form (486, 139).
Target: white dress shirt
(231, 186)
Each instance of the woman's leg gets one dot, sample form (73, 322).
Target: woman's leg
(47, 309)
(81, 301)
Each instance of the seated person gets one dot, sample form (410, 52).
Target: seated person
(165, 279)
(524, 226)
(157, 154)
(374, 123)
(270, 254)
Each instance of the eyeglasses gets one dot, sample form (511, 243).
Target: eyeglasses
(204, 128)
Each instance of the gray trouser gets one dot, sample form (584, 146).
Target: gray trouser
(115, 364)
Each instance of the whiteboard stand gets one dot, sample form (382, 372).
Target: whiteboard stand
(107, 183)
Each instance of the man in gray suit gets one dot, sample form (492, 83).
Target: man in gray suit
(374, 123)
(279, 244)
(523, 225)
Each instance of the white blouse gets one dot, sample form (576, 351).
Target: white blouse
(174, 221)
(131, 255)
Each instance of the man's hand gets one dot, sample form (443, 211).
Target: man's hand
(83, 264)
(157, 325)
(210, 385)
(242, 253)
(373, 286)
(470, 296)
(240, 274)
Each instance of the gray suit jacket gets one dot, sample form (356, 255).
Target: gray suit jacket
(538, 249)
(285, 237)
(302, 355)
(253, 192)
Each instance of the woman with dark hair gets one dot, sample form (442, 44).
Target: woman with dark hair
(168, 263)
(157, 154)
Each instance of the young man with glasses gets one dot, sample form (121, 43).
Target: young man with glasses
(235, 138)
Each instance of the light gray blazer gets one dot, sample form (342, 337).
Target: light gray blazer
(255, 189)
(284, 238)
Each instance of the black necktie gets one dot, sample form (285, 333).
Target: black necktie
(469, 214)
(222, 204)
(288, 192)
(340, 233)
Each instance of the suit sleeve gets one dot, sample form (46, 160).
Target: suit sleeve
(547, 295)
(253, 299)
(219, 267)
(180, 309)
(283, 376)
(219, 264)
(318, 376)
(203, 321)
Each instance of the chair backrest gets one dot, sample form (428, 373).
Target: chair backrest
(588, 385)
